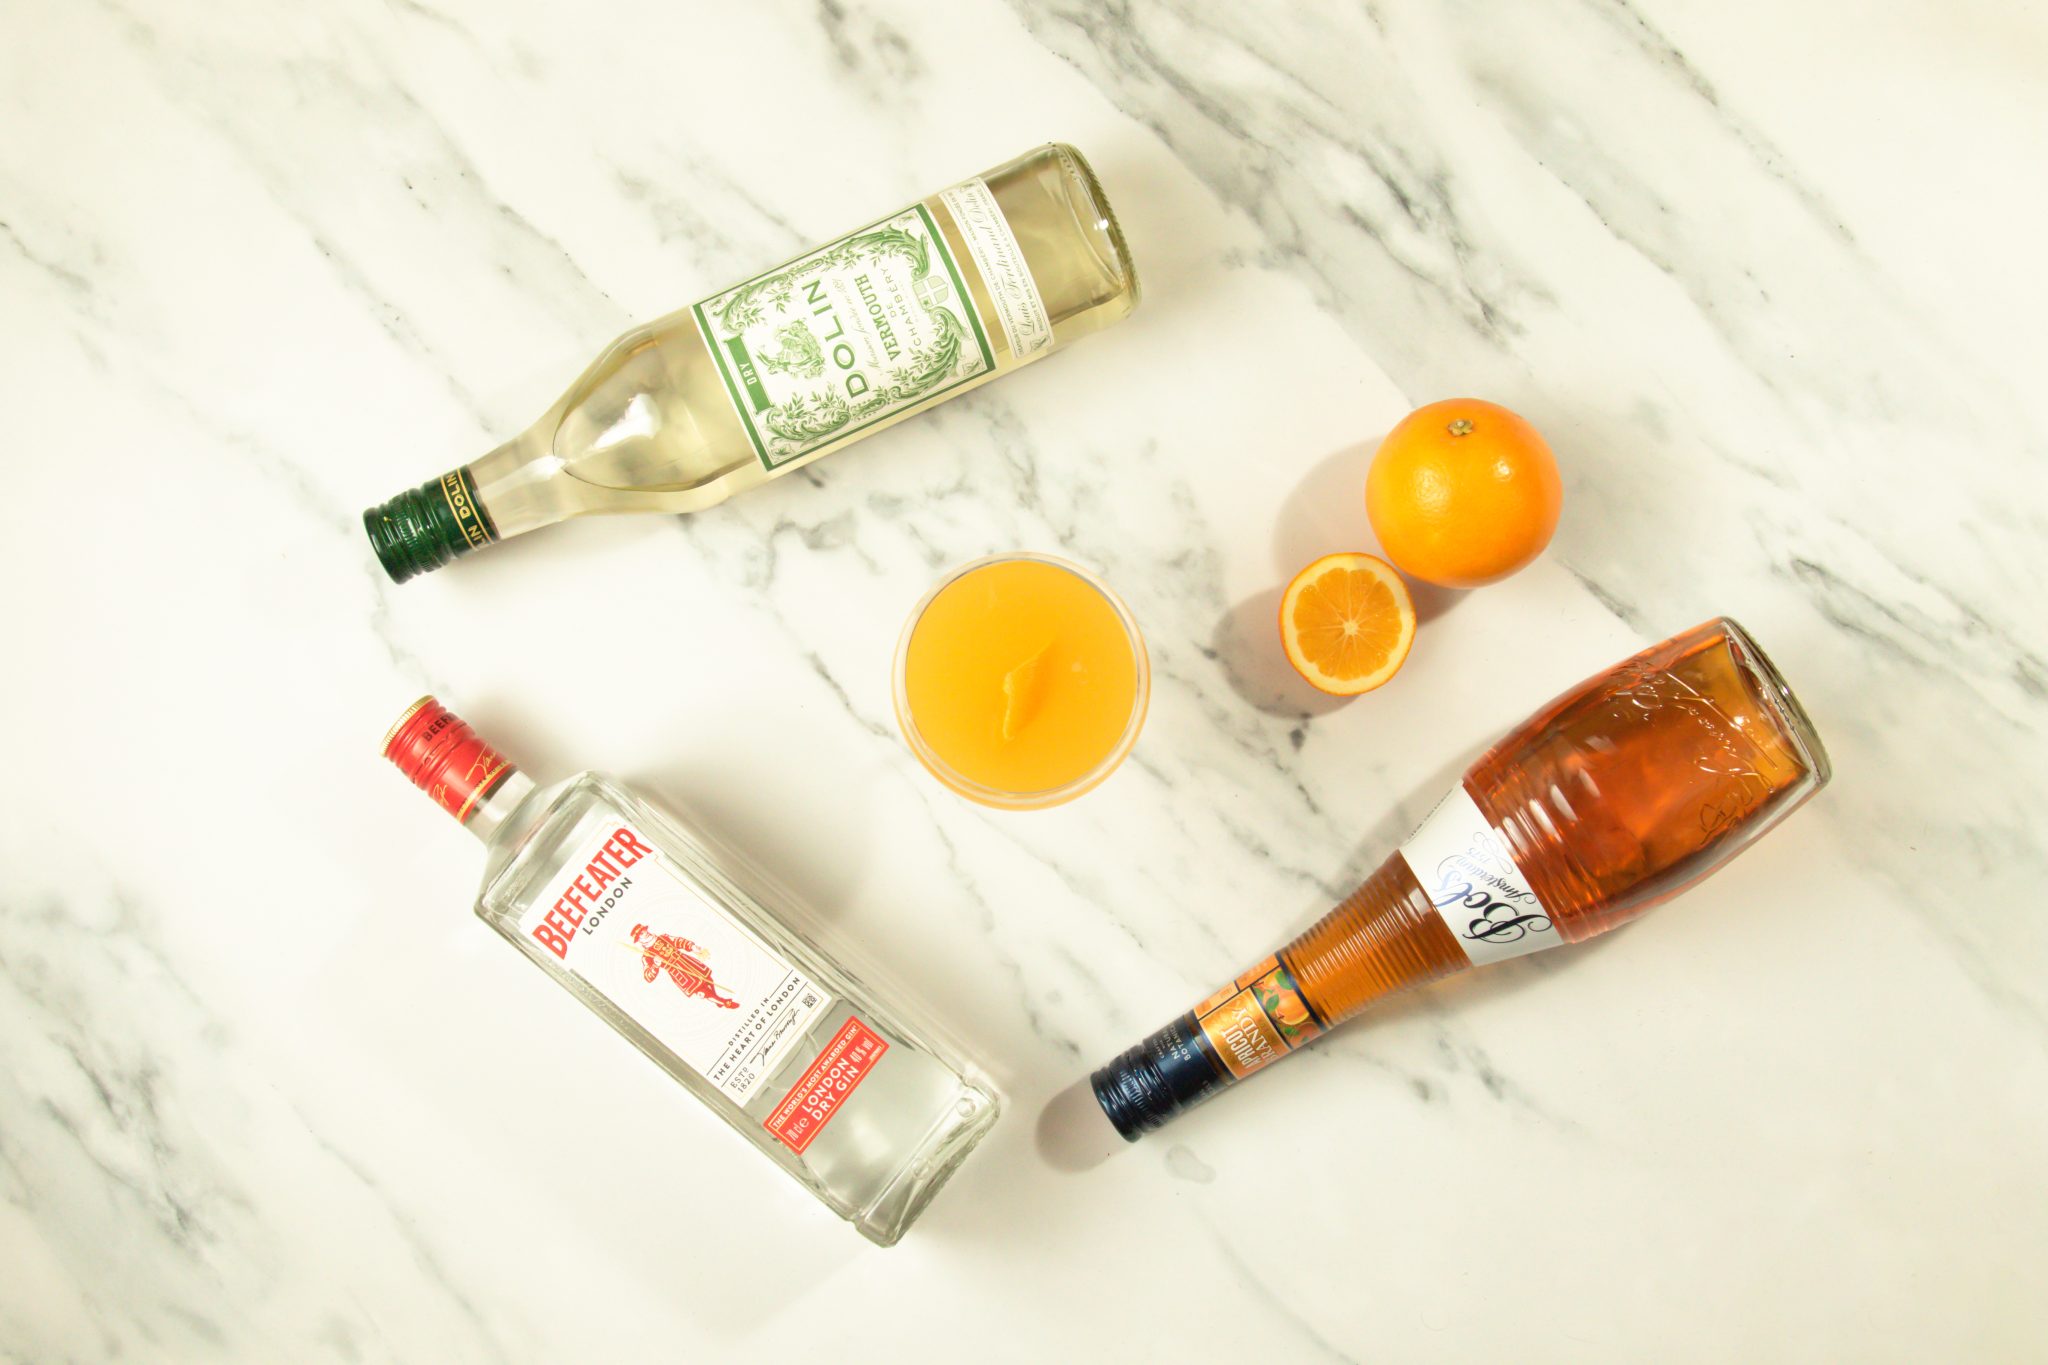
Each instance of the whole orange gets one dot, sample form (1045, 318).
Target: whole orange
(1463, 492)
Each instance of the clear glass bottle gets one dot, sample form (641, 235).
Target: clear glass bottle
(789, 366)
(678, 944)
(1621, 793)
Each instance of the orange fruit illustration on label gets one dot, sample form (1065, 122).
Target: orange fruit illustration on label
(1463, 492)
(1282, 1002)
(1346, 622)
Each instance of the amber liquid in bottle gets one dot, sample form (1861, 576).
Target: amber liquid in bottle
(1613, 798)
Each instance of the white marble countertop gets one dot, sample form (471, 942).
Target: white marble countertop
(1768, 276)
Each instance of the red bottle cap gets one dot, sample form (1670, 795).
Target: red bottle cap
(444, 757)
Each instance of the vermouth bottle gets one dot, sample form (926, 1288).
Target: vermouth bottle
(1618, 795)
(684, 948)
(789, 366)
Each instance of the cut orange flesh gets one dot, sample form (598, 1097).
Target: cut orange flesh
(1346, 622)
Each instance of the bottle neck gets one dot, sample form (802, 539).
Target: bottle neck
(451, 763)
(1382, 937)
(425, 527)
(489, 814)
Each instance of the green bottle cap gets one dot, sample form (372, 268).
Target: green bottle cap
(425, 527)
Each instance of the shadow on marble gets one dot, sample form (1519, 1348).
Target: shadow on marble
(515, 730)
(1246, 643)
(1432, 601)
(1073, 1134)
(1325, 514)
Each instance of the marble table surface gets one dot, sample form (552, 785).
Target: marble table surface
(1768, 276)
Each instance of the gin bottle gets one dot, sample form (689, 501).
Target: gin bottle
(1628, 789)
(676, 943)
(787, 367)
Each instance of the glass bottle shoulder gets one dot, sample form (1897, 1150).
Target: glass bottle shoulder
(535, 817)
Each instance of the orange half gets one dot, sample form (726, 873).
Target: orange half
(1346, 622)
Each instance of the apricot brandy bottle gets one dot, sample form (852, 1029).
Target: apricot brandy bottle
(1618, 795)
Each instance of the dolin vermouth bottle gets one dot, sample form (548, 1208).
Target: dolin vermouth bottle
(1618, 795)
(789, 366)
(685, 949)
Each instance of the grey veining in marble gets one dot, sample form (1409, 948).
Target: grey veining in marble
(1769, 282)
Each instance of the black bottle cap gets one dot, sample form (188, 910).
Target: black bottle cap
(1169, 1072)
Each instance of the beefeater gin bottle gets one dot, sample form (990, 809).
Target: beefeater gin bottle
(677, 943)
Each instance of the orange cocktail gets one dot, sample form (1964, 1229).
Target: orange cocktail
(1021, 681)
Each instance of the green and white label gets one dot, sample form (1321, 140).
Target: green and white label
(1004, 271)
(845, 337)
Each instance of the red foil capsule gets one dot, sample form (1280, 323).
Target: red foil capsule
(444, 757)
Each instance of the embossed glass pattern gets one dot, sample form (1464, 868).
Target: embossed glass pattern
(1616, 796)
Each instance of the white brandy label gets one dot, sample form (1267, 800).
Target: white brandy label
(621, 918)
(1469, 875)
(850, 335)
(1005, 272)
